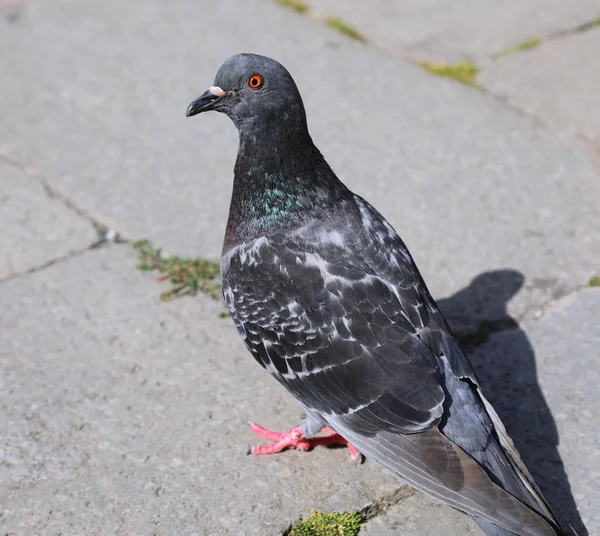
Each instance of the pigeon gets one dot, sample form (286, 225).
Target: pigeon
(328, 299)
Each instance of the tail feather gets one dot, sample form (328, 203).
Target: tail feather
(490, 529)
(517, 463)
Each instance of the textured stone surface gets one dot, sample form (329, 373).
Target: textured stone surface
(461, 30)
(36, 228)
(123, 415)
(471, 186)
(557, 81)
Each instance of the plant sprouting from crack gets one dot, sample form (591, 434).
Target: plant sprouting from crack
(327, 524)
(188, 276)
(530, 44)
(294, 5)
(463, 72)
(344, 28)
(594, 281)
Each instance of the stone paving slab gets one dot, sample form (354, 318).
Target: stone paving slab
(123, 415)
(469, 30)
(36, 228)
(95, 99)
(558, 81)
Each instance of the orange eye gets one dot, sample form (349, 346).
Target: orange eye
(255, 81)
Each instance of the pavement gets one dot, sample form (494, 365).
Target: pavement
(121, 414)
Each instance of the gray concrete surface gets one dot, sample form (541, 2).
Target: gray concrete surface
(557, 81)
(466, 30)
(36, 227)
(124, 415)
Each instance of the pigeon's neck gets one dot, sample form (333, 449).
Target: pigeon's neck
(281, 180)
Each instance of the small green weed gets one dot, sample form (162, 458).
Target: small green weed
(530, 44)
(328, 524)
(594, 281)
(345, 28)
(189, 276)
(294, 5)
(463, 72)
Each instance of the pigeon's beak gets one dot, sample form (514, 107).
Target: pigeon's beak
(206, 101)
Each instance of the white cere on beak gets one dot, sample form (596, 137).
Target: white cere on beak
(216, 91)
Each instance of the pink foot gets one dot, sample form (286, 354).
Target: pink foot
(333, 438)
(295, 438)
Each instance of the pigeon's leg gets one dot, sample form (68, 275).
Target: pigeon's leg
(333, 438)
(281, 440)
(301, 438)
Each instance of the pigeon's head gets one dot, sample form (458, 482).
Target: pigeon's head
(253, 91)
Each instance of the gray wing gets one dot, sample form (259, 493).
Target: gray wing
(345, 323)
(342, 340)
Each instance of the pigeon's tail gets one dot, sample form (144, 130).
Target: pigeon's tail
(505, 463)
(477, 430)
(433, 464)
(503, 471)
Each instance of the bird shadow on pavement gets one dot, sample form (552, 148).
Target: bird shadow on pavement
(507, 371)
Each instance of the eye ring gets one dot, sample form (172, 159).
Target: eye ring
(255, 81)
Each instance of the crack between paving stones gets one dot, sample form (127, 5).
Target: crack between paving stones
(100, 228)
(540, 310)
(63, 258)
(378, 507)
(569, 141)
(556, 36)
(505, 101)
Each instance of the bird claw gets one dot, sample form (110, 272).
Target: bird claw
(281, 440)
(295, 438)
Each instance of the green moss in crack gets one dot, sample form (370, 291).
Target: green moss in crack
(463, 72)
(188, 276)
(530, 44)
(294, 5)
(594, 281)
(345, 28)
(327, 524)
